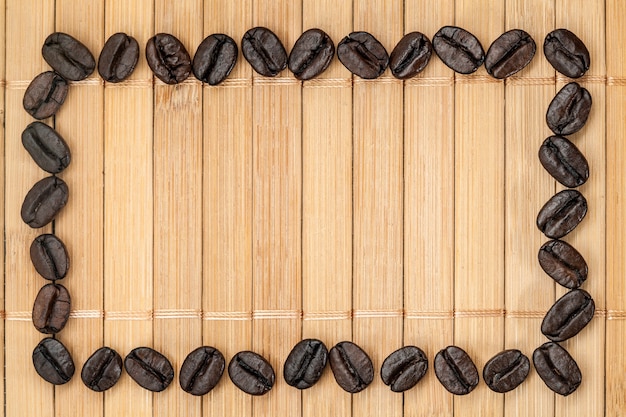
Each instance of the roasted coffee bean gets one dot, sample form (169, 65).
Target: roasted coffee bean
(410, 56)
(168, 59)
(53, 362)
(215, 58)
(458, 49)
(47, 197)
(562, 213)
(351, 366)
(201, 370)
(251, 373)
(363, 55)
(149, 368)
(568, 316)
(118, 58)
(404, 368)
(46, 147)
(562, 159)
(68, 57)
(102, 370)
(311, 54)
(51, 309)
(305, 363)
(506, 370)
(569, 109)
(45, 95)
(455, 370)
(510, 53)
(563, 263)
(264, 51)
(558, 370)
(567, 53)
(49, 257)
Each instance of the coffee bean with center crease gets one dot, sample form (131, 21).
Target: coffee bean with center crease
(102, 370)
(168, 59)
(53, 362)
(51, 309)
(568, 316)
(305, 363)
(68, 56)
(311, 54)
(351, 366)
(42, 203)
(456, 371)
(47, 148)
(563, 263)
(506, 370)
(569, 109)
(45, 95)
(201, 370)
(264, 51)
(251, 373)
(556, 367)
(510, 53)
(562, 159)
(363, 55)
(215, 58)
(458, 49)
(118, 58)
(410, 56)
(49, 257)
(562, 213)
(404, 368)
(149, 368)
(566, 53)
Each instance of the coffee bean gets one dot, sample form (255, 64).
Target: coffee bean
(510, 53)
(562, 213)
(456, 371)
(42, 203)
(558, 370)
(568, 316)
(202, 370)
(68, 57)
(410, 56)
(215, 58)
(563, 263)
(363, 55)
(46, 147)
(51, 309)
(311, 54)
(45, 95)
(149, 368)
(404, 368)
(251, 373)
(102, 370)
(458, 49)
(49, 257)
(118, 58)
(305, 363)
(168, 59)
(562, 159)
(506, 370)
(264, 51)
(53, 362)
(566, 53)
(351, 366)
(569, 110)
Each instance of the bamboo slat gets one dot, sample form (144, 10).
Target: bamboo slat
(2, 187)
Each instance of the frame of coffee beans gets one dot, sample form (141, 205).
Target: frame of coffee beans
(364, 56)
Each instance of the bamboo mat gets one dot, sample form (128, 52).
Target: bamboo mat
(255, 214)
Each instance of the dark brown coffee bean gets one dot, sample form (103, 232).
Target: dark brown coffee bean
(404, 368)
(456, 371)
(510, 53)
(51, 309)
(168, 59)
(568, 316)
(558, 370)
(46, 147)
(68, 57)
(251, 373)
(149, 368)
(562, 159)
(563, 263)
(410, 56)
(458, 49)
(264, 51)
(42, 203)
(215, 58)
(566, 53)
(305, 363)
(118, 58)
(49, 257)
(102, 370)
(562, 213)
(311, 54)
(351, 366)
(569, 109)
(45, 95)
(506, 370)
(202, 370)
(53, 362)
(363, 55)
